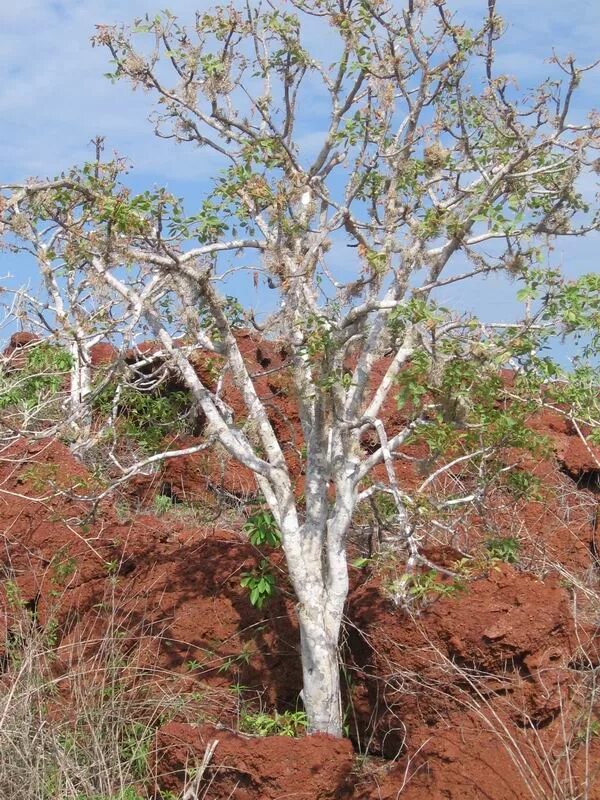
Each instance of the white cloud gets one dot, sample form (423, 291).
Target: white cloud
(54, 98)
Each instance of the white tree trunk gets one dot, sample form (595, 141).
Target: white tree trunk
(319, 632)
(81, 381)
(316, 558)
(320, 610)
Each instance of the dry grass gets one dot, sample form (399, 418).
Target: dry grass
(77, 721)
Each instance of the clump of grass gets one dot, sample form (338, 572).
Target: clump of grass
(86, 733)
(286, 723)
(503, 548)
(162, 504)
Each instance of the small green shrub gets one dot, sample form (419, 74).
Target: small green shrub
(122, 511)
(43, 374)
(241, 659)
(385, 506)
(419, 586)
(13, 594)
(594, 727)
(262, 529)
(162, 504)
(112, 567)
(289, 723)
(503, 548)
(260, 583)
(146, 417)
(425, 583)
(51, 635)
(135, 749)
(40, 475)
(523, 485)
(63, 566)
(588, 731)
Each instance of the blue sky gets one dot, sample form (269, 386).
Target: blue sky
(54, 98)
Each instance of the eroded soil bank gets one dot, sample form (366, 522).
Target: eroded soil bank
(486, 688)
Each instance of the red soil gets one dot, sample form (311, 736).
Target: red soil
(249, 767)
(477, 694)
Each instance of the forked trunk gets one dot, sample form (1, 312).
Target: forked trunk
(316, 558)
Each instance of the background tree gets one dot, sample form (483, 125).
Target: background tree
(432, 167)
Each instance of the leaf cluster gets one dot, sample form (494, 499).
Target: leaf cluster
(260, 583)
(43, 374)
(286, 723)
(262, 529)
(145, 417)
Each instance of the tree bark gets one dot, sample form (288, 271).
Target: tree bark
(316, 558)
(319, 636)
(81, 382)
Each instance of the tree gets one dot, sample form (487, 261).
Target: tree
(428, 180)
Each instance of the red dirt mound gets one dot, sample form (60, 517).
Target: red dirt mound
(250, 767)
(484, 691)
